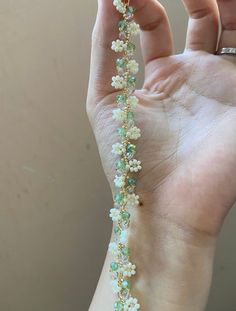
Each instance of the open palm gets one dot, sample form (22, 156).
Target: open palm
(187, 112)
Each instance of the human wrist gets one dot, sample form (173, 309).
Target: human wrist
(174, 263)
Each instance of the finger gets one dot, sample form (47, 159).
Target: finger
(203, 25)
(227, 10)
(102, 66)
(156, 37)
(156, 41)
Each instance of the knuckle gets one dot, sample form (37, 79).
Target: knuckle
(229, 25)
(199, 13)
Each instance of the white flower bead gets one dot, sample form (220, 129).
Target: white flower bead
(118, 148)
(134, 133)
(131, 200)
(119, 115)
(133, 66)
(133, 29)
(118, 45)
(119, 181)
(119, 6)
(115, 286)
(113, 248)
(134, 166)
(118, 82)
(115, 214)
(124, 237)
(131, 304)
(132, 101)
(128, 269)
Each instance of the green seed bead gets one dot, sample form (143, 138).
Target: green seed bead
(120, 165)
(117, 230)
(125, 284)
(119, 306)
(131, 148)
(131, 181)
(130, 9)
(118, 197)
(131, 80)
(131, 47)
(120, 62)
(122, 25)
(125, 251)
(120, 98)
(125, 215)
(130, 116)
(121, 132)
(114, 266)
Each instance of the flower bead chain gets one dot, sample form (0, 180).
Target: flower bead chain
(121, 268)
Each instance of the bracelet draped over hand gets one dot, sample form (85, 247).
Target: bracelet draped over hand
(122, 269)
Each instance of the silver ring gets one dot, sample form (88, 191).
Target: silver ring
(226, 51)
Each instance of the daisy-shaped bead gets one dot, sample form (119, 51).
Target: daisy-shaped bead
(118, 148)
(113, 248)
(134, 133)
(118, 45)
(133, 29)
(119, 181)
(115, 214)
(132, 101)
(128, 269)
(119, 115)
(131, 304)
(133, 66)
(134, 166)
(131, 200)
(119, 6)
(118, 82)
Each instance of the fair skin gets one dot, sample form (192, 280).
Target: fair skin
(187, 114)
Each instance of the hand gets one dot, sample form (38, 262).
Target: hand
(187, 114)
(187, 111)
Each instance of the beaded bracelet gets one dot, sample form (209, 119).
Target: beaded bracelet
(126, 166)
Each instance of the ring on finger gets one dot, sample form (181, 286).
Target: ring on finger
(226, 51)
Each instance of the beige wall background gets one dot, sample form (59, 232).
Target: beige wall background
(54, 198)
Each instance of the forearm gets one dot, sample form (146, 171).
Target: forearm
(174, 266)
